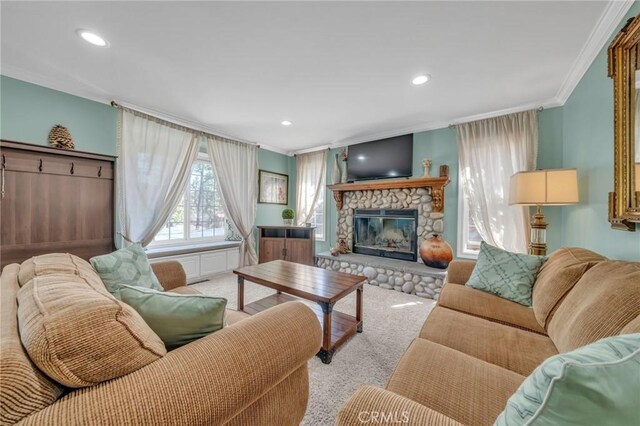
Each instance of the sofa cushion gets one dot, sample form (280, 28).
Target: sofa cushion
(505, 274)
(596, 384)
(128, 266)
(632, 327)
(485, 305)
(508, 347)
(81, 336)
(58, 263)
(177, 319)
(601, 304)
(557, 276)
(462, 387)
(23, 388)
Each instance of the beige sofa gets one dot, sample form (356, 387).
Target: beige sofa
(475, 349)
(252, 372)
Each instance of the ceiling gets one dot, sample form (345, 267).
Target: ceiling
(340, 71)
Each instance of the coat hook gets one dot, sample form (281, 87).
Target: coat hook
(40, 166)
(71, 168)
(100, 171)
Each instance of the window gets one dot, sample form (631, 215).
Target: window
(317, 219)
(199, 216)
(469, 238)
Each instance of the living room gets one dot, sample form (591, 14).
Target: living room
(345, 213)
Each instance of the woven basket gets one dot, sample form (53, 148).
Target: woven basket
(59, 137)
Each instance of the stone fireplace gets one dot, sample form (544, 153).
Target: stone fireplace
(384, 223)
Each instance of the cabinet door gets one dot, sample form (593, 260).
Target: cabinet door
(271, 249)
(299, 250)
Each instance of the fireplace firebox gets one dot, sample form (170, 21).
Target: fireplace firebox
(386, 233)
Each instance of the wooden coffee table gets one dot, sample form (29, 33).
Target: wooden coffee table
(312, 284)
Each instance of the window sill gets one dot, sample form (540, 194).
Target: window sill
(470, 256)
(173, 250)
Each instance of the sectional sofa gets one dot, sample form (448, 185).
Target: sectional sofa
(475, 349)
(252, 372)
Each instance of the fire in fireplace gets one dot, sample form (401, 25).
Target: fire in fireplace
(386, 233)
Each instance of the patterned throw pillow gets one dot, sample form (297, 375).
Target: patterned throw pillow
(597, 384)
(128, 266)
(505, 274)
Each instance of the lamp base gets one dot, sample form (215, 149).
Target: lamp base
(538, 244)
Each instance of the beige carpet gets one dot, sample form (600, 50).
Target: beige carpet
(391, 321)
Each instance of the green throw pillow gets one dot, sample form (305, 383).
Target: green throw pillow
(176, 318)
(597, 384)
(505, 274)
(128, 266)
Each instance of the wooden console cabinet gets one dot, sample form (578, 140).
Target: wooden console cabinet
(291, 243)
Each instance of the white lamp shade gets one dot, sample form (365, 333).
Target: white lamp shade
(544, 187)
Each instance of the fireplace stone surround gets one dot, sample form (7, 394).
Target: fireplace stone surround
(399, 275)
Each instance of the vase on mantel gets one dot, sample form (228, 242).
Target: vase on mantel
(343, 171)
(336, 173)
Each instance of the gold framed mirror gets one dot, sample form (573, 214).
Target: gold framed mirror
(624, 69)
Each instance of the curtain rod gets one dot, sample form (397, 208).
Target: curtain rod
(177, 126)
(454, 125)
(311, 152)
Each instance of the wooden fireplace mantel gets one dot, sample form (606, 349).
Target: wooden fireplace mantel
(434, 184)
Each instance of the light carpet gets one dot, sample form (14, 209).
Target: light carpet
(391, 321)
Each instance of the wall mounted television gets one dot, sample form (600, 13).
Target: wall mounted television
(381, 159)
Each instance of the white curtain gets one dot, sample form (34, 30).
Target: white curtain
(153, 169)
(236, 167)
(490, 151)
(311, 170)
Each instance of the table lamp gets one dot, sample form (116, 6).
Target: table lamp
(539, 188)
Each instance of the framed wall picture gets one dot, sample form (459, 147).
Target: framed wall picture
(273, 188)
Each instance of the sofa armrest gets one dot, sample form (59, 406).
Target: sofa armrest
(170, 273)
(207, 382)
(459, 271)
(371, 405)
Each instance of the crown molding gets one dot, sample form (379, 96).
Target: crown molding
(549, 103)
(105, 98)
(613, 13)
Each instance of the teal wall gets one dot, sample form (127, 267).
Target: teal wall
(28, 112)
(588, 146)
(270, 214)
(550, 157)
(441, 148)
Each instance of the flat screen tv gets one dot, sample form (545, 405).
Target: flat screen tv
(381, 159)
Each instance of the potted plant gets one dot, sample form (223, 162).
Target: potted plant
(287, 216)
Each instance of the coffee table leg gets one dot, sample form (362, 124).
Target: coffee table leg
(326, 352)
(240, 293)
(359, 308)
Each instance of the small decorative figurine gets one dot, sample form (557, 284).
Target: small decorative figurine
(343, 248)
(426, 163)
(334, 251)
(444, 171)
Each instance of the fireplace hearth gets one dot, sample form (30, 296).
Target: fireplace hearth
(387, 233)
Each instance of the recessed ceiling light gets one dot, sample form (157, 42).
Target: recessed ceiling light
(92, 38)
(286, 123)
(421, 79)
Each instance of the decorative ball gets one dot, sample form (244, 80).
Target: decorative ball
(436, 252)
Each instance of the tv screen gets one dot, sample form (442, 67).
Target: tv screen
(384, 158)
